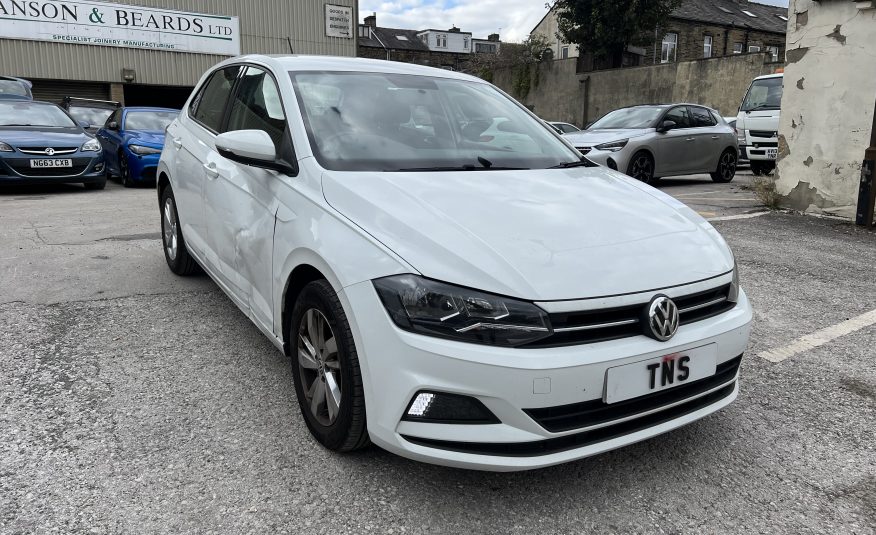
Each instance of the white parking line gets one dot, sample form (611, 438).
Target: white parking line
(738, 216)
(819, 338)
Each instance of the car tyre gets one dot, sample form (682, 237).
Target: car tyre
(325, 369)
(641, 167)
(125, 171)
(175, 252)
(726, 166)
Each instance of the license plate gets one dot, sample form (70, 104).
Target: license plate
(61, 162)
(772, 153)
(660, 373)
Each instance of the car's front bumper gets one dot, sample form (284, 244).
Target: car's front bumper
(87, 168)
(617, 160)
(396, 365)
(142, 167)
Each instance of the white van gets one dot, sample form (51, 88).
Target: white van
(757, 125)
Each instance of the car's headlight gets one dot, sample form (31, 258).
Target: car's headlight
(740, 137)
(434, 308)
(92, 145)
(733, 294)
(614, 146)
(140, 149)
(5, 147)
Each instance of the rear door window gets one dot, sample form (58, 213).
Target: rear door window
(701, 117)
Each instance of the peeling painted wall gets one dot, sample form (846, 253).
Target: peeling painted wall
(828, 104)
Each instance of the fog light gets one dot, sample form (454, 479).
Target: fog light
(436, 407)
(612, 164)
(98, 168)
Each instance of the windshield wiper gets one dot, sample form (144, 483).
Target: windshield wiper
(467, 167)
(579, 163)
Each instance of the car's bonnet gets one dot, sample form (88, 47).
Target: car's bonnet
(541, 235)
(53, 137)
(594, 137)
(142, 136)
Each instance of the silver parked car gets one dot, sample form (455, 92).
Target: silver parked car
(649, 142)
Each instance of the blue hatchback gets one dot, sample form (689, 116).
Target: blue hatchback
(132, 139)
(40, 143)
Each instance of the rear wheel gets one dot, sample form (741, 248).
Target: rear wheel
(175, 252)
(726, 167)
(325, 367)
(642, 167)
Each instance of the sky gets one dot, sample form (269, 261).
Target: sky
(481, 17)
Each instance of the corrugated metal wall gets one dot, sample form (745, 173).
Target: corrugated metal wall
(266, 27)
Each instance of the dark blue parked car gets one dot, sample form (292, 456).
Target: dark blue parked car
(15, 88)
(132, 139)
(40, 143)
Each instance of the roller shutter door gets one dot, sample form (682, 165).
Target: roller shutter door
(56, 90)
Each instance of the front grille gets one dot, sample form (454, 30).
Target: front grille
(763, 134)
(584, 150)
(42, 150)
(23, 168)
(577, 440)
(587, 327)
(588, 413)
(760, 145)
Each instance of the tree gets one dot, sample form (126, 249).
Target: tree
(607, 27)
(511, 55)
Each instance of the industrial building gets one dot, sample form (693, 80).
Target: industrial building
(152, 52)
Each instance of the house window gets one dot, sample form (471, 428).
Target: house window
(441, 40)
(737, 48)
(774, 52)
(465, 43)
(564, 53)
(670, 48)
(365, 32)
(707, 46)
(753, 48)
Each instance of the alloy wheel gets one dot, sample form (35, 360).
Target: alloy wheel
(319, 367)
(170, 227)
(642, 169)
(728, 166)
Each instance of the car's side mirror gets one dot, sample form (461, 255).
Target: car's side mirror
(113, 125)
(666, 126)
(84, 124)
(252, 147)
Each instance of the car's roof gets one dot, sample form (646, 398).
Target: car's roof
(149, 108)
(767, 76)
(333, 63)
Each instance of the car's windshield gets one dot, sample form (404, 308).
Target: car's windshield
(13, 87)
(764, 94)
(638, 117)
(389, 122)
(149, 120)
(25, 113)
(93, 116)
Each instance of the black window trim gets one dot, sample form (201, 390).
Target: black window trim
(231, 93)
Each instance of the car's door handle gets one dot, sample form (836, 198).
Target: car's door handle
(689, 139)
(210, 169)
(177, 142)
(716, 137)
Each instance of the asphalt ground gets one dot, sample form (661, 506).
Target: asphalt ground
(134, 401)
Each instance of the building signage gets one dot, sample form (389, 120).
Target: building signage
(338, 21)
(106, 24)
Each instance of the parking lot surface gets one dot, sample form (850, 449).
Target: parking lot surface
(135, 401)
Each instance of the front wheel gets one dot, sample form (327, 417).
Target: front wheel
(175, 252)
(125, 171)
(642, 167)
(325, 368)
(726, 166)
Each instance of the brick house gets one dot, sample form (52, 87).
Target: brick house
(696, 29)
(448, 49)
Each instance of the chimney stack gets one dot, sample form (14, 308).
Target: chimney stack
(371, 20)
(493, 37)
(454, 29)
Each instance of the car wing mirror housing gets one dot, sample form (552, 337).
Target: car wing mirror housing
(666, 126)
(254, 148)
(113, 125)
(84, 124)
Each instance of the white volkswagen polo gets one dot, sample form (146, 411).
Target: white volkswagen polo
(452, 280)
